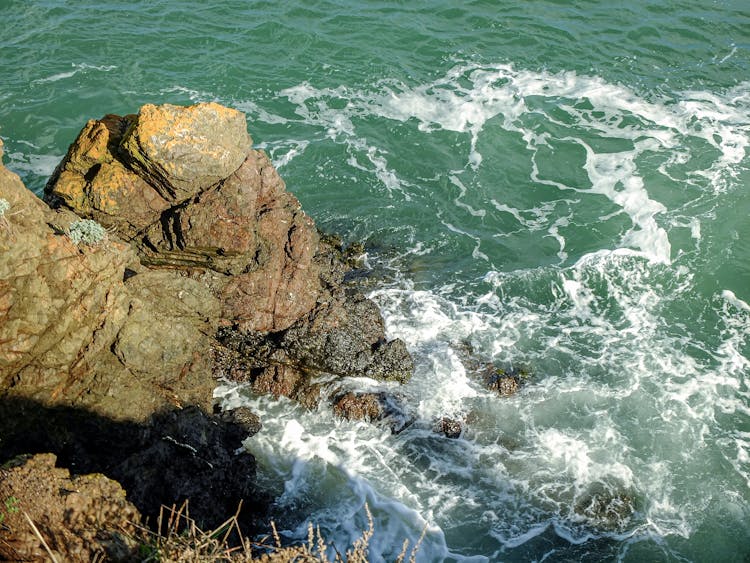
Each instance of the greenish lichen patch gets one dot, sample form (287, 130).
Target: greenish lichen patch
(86, 231)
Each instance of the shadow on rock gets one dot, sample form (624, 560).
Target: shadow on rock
(176, 455)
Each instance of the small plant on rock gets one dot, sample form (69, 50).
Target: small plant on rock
(4, 206)
(86, 231)
(8, 507)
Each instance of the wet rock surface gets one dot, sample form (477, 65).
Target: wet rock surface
(362, 406)
(448, 427)
(505, 381)
(606, 509)
(342, 336)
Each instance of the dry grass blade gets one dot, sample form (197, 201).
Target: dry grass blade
(402, 554)
(182, 541)
(41, 539)
(276, 537)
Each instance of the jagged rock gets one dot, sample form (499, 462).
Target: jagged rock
(171, 318)
(218, 205)
(175, 455)
(188, 455)
(244, 418)
(382, 407)
(502, 383)
(282, 284)
(94, 182)
(358, 406)
(82, 518)
(449, 427)
(181, 151)
(72, 330)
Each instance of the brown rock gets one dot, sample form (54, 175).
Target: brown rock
(82, 518)
(95, 184)
(233, 248)
(184, 150)
(64, 309)
(59, 303)
(277, 380)
(449, 427)
(282, 283)
(171, 318)
(359, 406)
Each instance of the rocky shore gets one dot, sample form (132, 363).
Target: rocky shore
(167, 254)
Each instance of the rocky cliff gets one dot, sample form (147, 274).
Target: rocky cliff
(168, 253)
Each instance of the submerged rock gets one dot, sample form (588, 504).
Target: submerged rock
(505, 381)
(502, 382)
(81, 518)
(605, 509)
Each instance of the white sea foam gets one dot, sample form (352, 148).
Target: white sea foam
(475, 99)
(283, 152)
(77, 68)
(38, 164)
(620, 401)
(256, 112)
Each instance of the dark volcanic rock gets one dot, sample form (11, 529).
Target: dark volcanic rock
(176, 455)
(449, 427)
(346, 336)
(188, 455)
(504, 381)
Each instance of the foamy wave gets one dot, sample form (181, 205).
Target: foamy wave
(77, 68)
(38, 164)
(476, 99)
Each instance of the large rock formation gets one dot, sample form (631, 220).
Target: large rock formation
(231, 226)
(208, 268)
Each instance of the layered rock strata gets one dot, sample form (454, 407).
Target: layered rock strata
(217, 213)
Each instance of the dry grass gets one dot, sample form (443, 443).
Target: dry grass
(179, 540)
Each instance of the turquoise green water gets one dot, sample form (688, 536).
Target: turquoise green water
(563, 186)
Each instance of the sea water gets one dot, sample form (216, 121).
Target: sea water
(558, 186)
